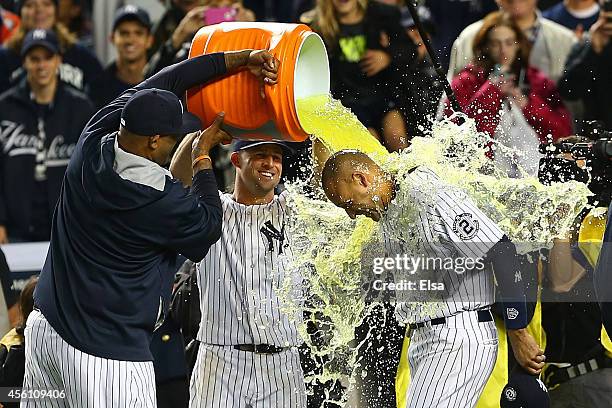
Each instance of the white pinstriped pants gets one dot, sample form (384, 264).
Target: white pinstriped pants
(228, 378)
(88, 381)
(450, 363)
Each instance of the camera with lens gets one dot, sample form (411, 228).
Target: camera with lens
(586, 158)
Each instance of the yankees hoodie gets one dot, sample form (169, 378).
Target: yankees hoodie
(36, 143)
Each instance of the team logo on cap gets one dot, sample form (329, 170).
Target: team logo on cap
(512, 313)
(39, 34)
(510, 394)
(465, 226)
(130, 9)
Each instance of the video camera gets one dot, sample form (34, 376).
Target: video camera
(587, 159)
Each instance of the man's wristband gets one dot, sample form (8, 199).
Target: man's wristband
(200, 158)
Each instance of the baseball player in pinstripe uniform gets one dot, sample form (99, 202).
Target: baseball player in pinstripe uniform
(119, 225)
(248, 354)
(453, 337)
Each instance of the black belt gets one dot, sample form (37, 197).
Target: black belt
(554, 375)
(483, 316)
(260, 348)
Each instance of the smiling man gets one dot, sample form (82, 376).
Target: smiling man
(248, 354)
(132, 38)
(40, 122)
(453, 339)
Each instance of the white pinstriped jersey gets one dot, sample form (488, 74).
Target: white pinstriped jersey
(242, 274)
(431, 220)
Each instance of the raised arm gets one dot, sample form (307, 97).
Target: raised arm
(178, 78)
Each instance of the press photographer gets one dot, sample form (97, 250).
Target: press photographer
(578, 349)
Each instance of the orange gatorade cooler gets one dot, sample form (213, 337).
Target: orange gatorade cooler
(303, 72)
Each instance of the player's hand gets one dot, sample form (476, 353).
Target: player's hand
(526, 351)
(505, 83)
(210, 137)
(264, 66)
(243, 14)
(601, 31)
(519, 98)
(189, 25)
(374, 61)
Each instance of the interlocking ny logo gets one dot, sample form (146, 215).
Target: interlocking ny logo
(131, 9)
(39, 34)
(271, 233)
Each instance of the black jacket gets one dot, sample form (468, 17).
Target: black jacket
(115, 240)
(588, 77)
(23, 125)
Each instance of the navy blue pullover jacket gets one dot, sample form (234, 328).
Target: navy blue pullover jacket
(22, 128)
(114, 242)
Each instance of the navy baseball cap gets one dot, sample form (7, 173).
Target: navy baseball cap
(524, 391)
(151, 112)
(132, 13)
(40, 38)
(247, 144)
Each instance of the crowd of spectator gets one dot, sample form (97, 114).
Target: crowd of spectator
(526, 71)
(379, 66)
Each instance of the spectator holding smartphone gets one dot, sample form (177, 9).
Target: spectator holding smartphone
(510, 100)
(588, 72)
(170, 20)
(550, 42)
(176, 48)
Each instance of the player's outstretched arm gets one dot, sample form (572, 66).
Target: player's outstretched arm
(178, 78)
(192, 155)
(180, 166)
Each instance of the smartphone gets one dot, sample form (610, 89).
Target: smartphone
(216, 15)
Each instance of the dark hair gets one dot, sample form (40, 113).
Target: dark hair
(336, 163)
(26, 303)
(481, 43)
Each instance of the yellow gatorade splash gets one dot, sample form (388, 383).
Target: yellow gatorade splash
(335, 254)
(337, 127)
